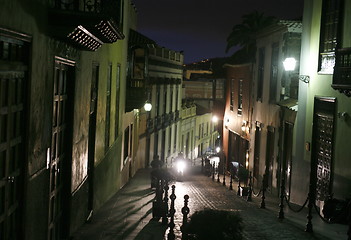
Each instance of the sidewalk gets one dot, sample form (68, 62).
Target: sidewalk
(128, 214)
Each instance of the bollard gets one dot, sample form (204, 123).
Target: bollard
(171, 235)
(282, 195)
(249, 194)
(263, 203)
(185, 212)
(165, 205)
(218, 173)
(202, 165)
(157, 205)
(231, 182)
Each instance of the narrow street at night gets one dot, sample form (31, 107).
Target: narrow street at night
(128, 215)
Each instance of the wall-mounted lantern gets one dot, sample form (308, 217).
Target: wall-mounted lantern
(289, 64)
(147, 106)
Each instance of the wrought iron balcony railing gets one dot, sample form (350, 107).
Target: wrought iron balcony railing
(342, 71)
(87, 23)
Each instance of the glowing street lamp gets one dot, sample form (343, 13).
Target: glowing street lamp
(147, 106)
(215, 119)
(289, 64)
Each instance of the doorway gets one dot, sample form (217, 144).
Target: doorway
(61, 150)
(14, 56)
(92, 136)
(322, 146)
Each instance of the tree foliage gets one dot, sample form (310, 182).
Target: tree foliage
(244, 34)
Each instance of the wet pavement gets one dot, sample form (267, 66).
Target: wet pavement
(128, 214)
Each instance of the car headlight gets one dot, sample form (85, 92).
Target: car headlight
(181, 166)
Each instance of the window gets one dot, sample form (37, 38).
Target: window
(260, 70)
(240, 97)
(165, 99)
(171, 100)
(329, 33)
(157, 107)
(126, 144)
(274, 73)
(219, 89)
(108, 107)
(176, 100)
(138, 64)
(232, 94)
(118, 80)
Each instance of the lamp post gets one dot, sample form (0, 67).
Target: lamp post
(147, 106)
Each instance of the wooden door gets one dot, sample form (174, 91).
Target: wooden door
(269, 157)
(322, 146)
(92, 136)
(13, 88)
(61, 150)
(256, 168)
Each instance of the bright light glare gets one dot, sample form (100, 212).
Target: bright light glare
(181, 166)
(147, 106)
(214, 119)
(218, 149)
(289, 64)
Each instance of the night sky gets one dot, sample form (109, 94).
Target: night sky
(200, 27)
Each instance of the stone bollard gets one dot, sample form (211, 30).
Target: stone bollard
(231, 182)
(171, 235)
(249, 194)
(185, 212)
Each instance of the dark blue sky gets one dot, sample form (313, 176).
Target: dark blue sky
(200, 27)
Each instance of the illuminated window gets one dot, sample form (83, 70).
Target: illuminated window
(240, 97)
(108, 108)
(329, 33)
(118, 79)
(232, 94)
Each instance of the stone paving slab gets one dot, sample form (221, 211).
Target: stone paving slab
(128, 214)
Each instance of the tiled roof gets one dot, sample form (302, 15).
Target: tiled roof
(138, 38)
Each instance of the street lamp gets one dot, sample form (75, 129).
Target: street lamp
(147, 106)
(289, 64)
(215, 119)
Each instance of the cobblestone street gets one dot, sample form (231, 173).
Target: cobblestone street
(128, 215)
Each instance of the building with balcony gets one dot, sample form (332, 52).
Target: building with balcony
(64, 150)
(155, 75)
(321, 150)
(238, 113)
(274, 107)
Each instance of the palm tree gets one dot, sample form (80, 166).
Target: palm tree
(244, 35)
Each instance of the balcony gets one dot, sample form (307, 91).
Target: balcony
(87, 24)
(342, 71)
(150, 125)
(158, 123)
(166, 120)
